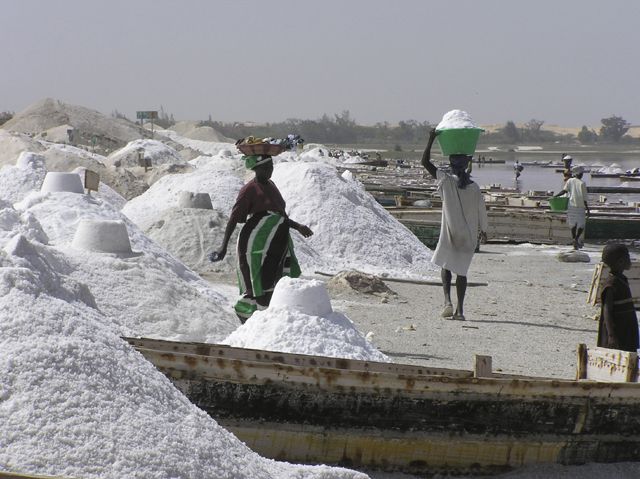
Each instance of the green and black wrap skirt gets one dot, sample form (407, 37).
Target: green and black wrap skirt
(265, 254)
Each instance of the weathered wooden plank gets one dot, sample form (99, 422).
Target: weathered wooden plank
(306, 413)
(607, 365)
(223, 351)
(15, 475)
(190, 366)
(482, 366)
(411, 453)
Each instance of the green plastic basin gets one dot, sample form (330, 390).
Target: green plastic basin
(459, 141)
(559, 203)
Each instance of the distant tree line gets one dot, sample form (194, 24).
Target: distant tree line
(613, 130)
(343, 129)
(336, 129)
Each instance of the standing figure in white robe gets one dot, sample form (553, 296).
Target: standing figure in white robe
(463, 216)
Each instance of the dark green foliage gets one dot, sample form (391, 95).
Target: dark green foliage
(587, 136)
(613, 128)
(510, 132)
(340, 129)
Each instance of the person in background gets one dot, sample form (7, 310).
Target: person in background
(578, 207)
(567, 160)
(618, 325)
(463, 214)
(265, 250)
(517, 168)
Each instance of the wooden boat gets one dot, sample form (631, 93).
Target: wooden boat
(613, 189)
(505, 224)
(395, 417)
(525, 223)
(604, 175)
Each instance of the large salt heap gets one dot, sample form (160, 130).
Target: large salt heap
(26, 176)
(154, 151)
(300, 320)
(351, 230)
(145, 290)
(77, 401)
(219, 176)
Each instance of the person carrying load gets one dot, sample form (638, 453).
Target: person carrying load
(264, 249)
(578, 208)
(463, 215)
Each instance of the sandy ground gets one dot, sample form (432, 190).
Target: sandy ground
(529, 317)
(528, 313)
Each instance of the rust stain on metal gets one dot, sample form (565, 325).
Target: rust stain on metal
(410, 383)
(330, 375)
(191, 361)
(238, 367)
(168, 356)
(221, 363)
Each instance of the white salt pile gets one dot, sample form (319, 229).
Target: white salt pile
(456, 119)
(204, 147)
(300, 320)
(12, 144)
(147, 294)
(26, 176)
(351, 229)
(219, 176)
(67, 157)
(77, 401)
(153, 150)
(191, 234)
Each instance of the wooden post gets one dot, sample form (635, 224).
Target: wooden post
(482, 367)
(581, 364)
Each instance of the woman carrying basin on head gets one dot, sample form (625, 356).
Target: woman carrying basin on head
(463, 215)
(265, 250)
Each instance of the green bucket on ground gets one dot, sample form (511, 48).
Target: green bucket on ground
(559, 203)
(459, 141)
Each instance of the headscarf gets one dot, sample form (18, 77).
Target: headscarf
(250, 162)
(459, 165)
(613, 252)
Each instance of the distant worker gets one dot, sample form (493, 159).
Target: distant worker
(463, 215)
(567, 160)
(578, 207)
(517, 168)
(618, 325)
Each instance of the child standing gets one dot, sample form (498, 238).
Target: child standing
(618, 326)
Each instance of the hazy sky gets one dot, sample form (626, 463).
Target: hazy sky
(567, 62)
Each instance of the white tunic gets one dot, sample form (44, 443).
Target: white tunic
(577, 191)
(463, 216)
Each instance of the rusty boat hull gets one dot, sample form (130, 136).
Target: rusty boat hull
(395, 417)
